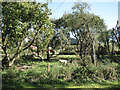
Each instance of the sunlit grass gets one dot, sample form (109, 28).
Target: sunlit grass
(72, 85)
(41, 67)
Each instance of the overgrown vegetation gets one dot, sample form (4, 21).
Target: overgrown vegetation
(34, 73)
(33, 46)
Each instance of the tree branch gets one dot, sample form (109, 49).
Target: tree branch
(16, 54)
(116, 37)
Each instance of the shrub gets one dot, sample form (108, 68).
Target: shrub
(109, 73)
(60, 71)
(12, 72)
(87, 72)
(104, 72)
(82, 73)
(118, 71)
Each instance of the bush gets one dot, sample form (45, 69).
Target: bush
(13, 72)
(87, 72)
(82, 73)
(109, 73)
(60, 71)
(105, 72)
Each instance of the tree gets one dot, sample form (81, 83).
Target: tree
(61, 33)
(43, 39)
(58, 38)
(84, 26)
(116, 32)
(104, 37)
(17, 20)
(113, 43)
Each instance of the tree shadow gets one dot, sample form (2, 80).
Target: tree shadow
(14, 84)
(13, 81)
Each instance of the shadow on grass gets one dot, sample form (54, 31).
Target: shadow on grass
(10, 83)
(26, 59)
(17, 82)
(14, 81)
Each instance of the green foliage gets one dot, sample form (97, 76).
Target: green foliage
(68, 50)
(109, 74)
(83, 26)
(83, 73)
(87, 72)
(61, 33)
(105, 72)
(12, 72)
(21, 21)
(77, 72)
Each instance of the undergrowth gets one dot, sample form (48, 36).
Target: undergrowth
(55, 73)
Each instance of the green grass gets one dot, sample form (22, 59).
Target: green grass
(72, 85)
(98, 85)
(39, 77)
(66, 57)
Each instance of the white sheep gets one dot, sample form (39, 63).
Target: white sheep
(63, 61)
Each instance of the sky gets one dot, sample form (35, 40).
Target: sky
(119, 12)
(106, 9)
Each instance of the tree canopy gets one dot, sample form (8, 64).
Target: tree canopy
(17, 21)
(83, 26)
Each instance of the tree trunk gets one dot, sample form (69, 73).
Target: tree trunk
(80, 50)
(108, 49)
(37, 50)
(5, 62)
(98, 52)
(11, 63)
(113, 47)
(93, 53)
(118, 41)
(48, 55)
(13, 59)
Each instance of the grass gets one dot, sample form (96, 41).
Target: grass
(39, 77)
(66, 57)
(70, 85)
(98, 85)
